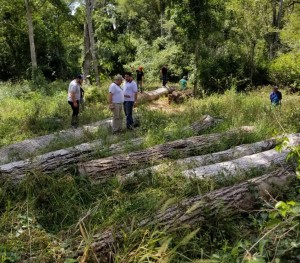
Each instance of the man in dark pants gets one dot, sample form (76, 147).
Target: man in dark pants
(130, 98)
(163, 73)
(74, 98)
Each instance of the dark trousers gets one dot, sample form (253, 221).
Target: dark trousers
(128, 108)
(164, 80)
(75, 112)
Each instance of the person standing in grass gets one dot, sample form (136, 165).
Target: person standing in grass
(183, 83)
(163, 73)
(130, 98)
(116, 100)
(74, 96)
(140, 78)
(275, 96)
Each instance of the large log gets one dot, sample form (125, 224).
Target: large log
(105, 168)
(151, 95)
(192, 212)
(260, 161)
(212, 158)
(27, 148)
(63, 159)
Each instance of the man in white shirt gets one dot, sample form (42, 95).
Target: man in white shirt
(130, 98)
(116, 100)
(74, 98)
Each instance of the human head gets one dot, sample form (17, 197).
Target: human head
(79, 78)
(118, 79)
(128, 76)
(275, 88)
(140, 68)
(185, 77)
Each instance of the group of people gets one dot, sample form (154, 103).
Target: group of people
(122, 98)
(125, 98)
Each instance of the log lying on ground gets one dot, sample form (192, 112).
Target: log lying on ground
(196, 161)
(27, 148)
(190, 213)
(61, 160)
(151, 95)
(103, 169)
(179, 96)
(209, 160)
(260, 161)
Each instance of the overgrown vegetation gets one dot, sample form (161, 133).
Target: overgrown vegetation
(44, 215)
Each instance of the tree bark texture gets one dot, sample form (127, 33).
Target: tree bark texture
(192, 212)
(62, 160)
(31, 35)
(262, 161)
(105, 168)
(213, 158)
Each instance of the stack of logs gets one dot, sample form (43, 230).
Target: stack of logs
(178, 96)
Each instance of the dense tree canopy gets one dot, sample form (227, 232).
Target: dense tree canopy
(216, 43)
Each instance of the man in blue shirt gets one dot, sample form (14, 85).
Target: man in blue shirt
(276, 96)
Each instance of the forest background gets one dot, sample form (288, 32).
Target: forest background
(214, 42)
(234, 48)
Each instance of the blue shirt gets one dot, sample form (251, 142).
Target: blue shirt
(275, 97)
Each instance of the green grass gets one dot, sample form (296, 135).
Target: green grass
(40, 216)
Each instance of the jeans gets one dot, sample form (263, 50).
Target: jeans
(75, 112)
(128, 108)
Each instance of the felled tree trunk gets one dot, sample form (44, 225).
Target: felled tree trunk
(27, 148)
(213, 158)
(262, 161)
(151, 95)
(105, 168)
(190, 213)
(62, 160)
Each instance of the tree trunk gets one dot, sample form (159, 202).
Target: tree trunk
(89, 16)
(105, 168)
(62, 160)
(87, 60)
(192, 212)
(213, 158)
(241, 165)
(151, 95)
(31, 36)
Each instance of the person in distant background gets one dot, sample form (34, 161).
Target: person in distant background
(139, 78)
(163, 73)
(116, 100)
(183, 83)
(275, 96)
(74, 96)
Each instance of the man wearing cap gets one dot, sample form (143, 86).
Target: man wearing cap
(275, 96)
(74, 95)
(116, 100)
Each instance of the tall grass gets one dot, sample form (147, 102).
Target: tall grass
(44, 210)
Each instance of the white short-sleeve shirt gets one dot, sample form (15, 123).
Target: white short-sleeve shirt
(74, 87)
(117, 93)
(130, 88)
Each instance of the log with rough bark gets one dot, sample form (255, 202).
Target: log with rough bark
(151, 95)
(192, 212)
(105, 168)
(212, 158)
(261, 161)
(61, 160)
(29, 148)
(179, 96)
